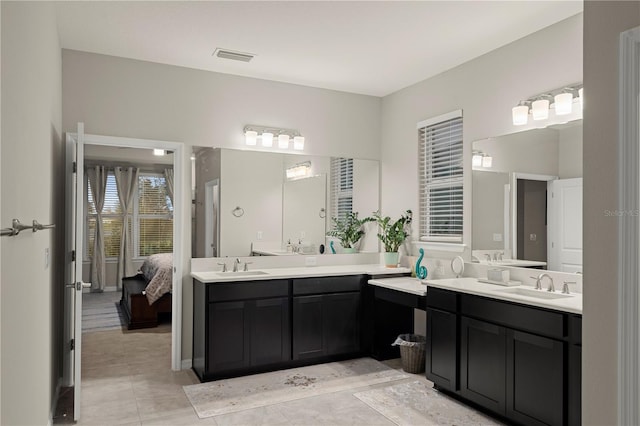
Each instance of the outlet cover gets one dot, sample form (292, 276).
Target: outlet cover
(310, 261)
(259, 236)
(533, 237)
(497, 237)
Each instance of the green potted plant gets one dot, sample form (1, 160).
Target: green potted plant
(392, 234)
(348, 230)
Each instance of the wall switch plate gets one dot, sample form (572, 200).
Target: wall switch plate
(259, 236)
(310, 261)
(497, 237)
(533, 237)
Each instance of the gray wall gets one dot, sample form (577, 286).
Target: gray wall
(123, 97)
(604, 21)
(32, 188)
(488, 209)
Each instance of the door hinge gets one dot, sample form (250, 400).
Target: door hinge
(73, 255)
(75, 167)
(72, 344)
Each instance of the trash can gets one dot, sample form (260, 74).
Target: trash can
(412, 352)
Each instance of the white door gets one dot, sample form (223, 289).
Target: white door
(564, 244)
(73, 296)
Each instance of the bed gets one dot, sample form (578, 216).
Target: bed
(147, 295)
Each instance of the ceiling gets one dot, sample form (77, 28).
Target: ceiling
(372, 48)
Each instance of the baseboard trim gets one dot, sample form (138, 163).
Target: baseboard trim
(186, 364)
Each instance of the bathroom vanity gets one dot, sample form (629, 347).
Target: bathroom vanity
(286, 318)
(506, 351)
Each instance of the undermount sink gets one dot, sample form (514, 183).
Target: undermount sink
(539, 294)
(242, 273)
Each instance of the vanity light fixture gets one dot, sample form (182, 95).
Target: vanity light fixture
(267, 134)
(541, 105)
(481, 159)
(299, 171)
(158, 152)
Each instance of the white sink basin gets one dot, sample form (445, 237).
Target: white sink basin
(529, 292)
(241, 274)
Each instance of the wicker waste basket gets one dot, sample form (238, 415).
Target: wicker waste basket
(412, 352)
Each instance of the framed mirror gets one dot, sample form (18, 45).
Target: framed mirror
(527, 198)
(268, 203)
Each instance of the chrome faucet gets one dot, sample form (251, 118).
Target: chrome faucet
(565, 286)
(488, 256)
(545, 275)
(224, 266)
(246, 266)
(235, 265)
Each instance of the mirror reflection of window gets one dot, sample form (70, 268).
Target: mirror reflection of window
(341, 187)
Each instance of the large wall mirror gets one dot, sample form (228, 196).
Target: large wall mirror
(527, 198)
(264, 203)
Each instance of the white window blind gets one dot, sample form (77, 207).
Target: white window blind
(150, 220)
(341, 187)
(440, 176)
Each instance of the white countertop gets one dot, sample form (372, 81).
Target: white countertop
(467, 285)
(513, 262)
(299, 272)
(404, 284)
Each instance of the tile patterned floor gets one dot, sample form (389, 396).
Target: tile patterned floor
(127, 380)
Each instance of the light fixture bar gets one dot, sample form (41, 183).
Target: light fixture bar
(267, 134)
(563, 100)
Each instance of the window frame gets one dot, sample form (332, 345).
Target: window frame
(132, 219)
(455, 181)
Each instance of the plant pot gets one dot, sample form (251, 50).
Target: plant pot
(349, 250)
(391, 259)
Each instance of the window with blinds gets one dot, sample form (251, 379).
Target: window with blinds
(150, 220)
(440, 178)
(341, 187)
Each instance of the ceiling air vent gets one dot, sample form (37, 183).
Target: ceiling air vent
(230, 54)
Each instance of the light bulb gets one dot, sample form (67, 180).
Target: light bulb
(581, 96)
(298, 143)
(251, 137)
(476, 160)
(520, 115)
(158, 152)
(283, 141)
(563, 103)
(540, 109)
(487, 161)
(267, 139)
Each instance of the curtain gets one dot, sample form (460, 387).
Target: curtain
(126, 182)
(168, 176)
(98, 183)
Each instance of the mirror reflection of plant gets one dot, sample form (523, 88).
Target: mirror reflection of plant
(349, 230)
(392, 234)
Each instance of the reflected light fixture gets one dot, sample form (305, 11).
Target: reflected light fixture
(266, 135)
(563, 103)
(487, 161)
(299, 171)
(158, 152)
(476, 160)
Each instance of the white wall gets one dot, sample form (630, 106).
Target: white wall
(604, 21)
(31, 293)
(488, 209)
(486, 89)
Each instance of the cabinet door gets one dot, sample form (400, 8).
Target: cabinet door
(482, 363)
(308, 335)
(270, 337)
(228, 344)
(575, 385)
(534, 379)
(341, 321)
(442, 348)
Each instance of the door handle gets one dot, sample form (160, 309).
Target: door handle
(79, 285)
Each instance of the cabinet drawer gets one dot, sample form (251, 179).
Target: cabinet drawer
(242, 290)
(514, 316)
(326, 285)
(442, 299)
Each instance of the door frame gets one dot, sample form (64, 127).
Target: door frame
(178, 218)
(514, 204)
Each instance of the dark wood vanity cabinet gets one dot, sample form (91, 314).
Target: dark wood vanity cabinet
(326, 317)
(246, 326)
(442, 339)
(518, 361)
(252, 326)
